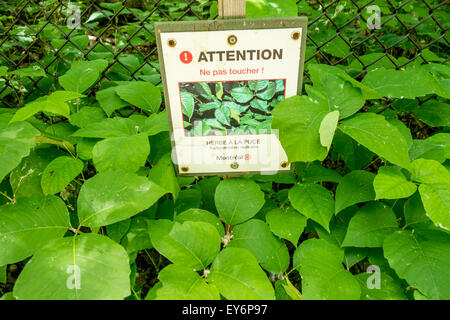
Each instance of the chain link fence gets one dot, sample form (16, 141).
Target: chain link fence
(41, 39)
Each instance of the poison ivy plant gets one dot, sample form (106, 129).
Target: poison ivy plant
(91, 206)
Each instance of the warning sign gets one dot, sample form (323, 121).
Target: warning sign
(222, 79)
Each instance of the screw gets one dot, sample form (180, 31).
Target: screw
(284, 164)
(234, 165)
(172, 43)
(232, 40)
(184, 169)
(295, 35)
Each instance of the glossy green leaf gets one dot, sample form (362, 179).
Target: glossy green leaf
(16, 140)
(188, 103)
(54, 103)
(238, 200)
(323, 275)
(379, 136)
(286, 223)
(59, 173)
(163, 174)
(370, 226)
(193, 244)
(29, 224)
(86, 267)
(391, 183)
(143, 95)
(113, 196)
(181, 283)
(420, 259)
(121, 153)
(79, 79)
(242, 94)
(301, 117)
(355, 187)
(237, 275)
(255, 236)
(203, 216)
(327, 128)
(314, 202)
(406, 84)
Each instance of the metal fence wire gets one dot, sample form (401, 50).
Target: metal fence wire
(43, 38)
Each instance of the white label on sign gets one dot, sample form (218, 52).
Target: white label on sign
(222, 86)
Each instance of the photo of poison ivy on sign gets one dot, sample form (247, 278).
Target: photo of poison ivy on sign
(230, 107)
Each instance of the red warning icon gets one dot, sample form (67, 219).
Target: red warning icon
(186, 57)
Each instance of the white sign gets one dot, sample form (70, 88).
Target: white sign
(222, 87)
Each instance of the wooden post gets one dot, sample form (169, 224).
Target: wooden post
(229, 9)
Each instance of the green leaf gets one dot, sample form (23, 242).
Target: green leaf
(113, 196)
(108, 128)
(401, 84)
(270, 8)
(203, 216)
(391, 183)
(86, 116)
(314, 202)
(269, 93)
(156, 123)
(137, 236)
(353, 153)
(420, 259)
(434, 113)
(26, 178)
(287, 224)
(163, 174)
(323, 276)
(415, 215)
(143, 95)
(370, 226)
(238, 200)
(85, 267)
(109, 100)
(379, 136)
(327, 128)
(59, 173)
(436, 201)
(255, 236)
(29, 224)
(430, 172)
(336, 94)
(79, 79)
(296, 117)
(242, 94)
(223, 115)
(121, 153)
(317, 173)
(237, 275)
(188, 104)
(34, 71)
(390, 289)
(54, 103)
(181, 283)
(258, 85)
(355, 187)
(193, 244)
(16, 140)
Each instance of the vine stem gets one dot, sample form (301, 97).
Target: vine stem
(6, 196)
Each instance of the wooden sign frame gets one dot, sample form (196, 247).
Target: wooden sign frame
(225, 25)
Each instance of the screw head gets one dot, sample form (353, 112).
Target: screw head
(184, 169)
(232, 40)
(172, 43)
(284, 164)
(295, 35)
(234, 165)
